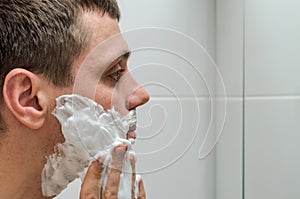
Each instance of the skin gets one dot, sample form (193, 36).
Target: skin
(33, 131)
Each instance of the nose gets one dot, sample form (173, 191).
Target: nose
(138, 97)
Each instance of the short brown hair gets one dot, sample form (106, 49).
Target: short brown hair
(45, 36)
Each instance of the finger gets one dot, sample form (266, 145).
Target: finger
(113, 180)
(142, 193)
(132, 162)
(90, 187)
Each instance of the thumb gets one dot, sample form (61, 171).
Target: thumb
(90, 187)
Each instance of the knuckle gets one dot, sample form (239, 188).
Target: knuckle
(132, 159)
(89, 196)
(110, 194)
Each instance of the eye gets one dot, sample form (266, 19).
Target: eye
(116, 75)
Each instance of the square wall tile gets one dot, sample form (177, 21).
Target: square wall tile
(172, 44)
(229, 153)
(229, 42)
(272, 159)
(272, 46)
(164, 74)
(170, 134)
(195, 18)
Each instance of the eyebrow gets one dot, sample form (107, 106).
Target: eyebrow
(126, 55)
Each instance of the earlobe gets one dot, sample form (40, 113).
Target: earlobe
(21, 93)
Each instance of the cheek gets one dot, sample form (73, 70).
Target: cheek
(103, 96)
(52, 137)
(111, 97)
(119, 101)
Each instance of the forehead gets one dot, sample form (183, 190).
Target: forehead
(99, 26)
(105, 40)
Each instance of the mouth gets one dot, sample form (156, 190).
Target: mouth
(131, 133)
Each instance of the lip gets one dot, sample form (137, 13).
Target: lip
(131, 134)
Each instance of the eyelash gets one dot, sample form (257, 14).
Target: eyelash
(115, 76)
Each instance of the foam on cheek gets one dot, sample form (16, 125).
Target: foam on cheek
(89, 133)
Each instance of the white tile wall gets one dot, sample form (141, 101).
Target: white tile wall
(230, 45)
(272, 47)
(195, 20)
(168, 158)
(272, 109)
(229, 153)
(272, 149)
(229, 40)
(167, 74)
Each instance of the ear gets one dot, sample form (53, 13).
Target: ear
(24, 98)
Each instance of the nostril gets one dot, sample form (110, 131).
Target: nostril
(139, 97)
(146, 97)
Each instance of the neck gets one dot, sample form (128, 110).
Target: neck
(20, 173)
(22, 157)
(15, 189)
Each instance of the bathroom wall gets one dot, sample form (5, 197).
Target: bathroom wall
(257, 52)
(229, 58)
(272, 105)
(173, 49)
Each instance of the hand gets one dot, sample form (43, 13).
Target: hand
(90, 186)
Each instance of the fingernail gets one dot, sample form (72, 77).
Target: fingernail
(96, 164)
(100, 162)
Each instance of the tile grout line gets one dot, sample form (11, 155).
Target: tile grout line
(273, 97)
(243, 102)
(246, 98)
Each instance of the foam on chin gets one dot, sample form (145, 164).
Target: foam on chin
(89, 133)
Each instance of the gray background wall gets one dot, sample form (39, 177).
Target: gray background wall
(257, 51)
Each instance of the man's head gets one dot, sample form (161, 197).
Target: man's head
(50, 48)
(45, 37)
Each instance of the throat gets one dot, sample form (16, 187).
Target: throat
(17, 183)
(17, 190)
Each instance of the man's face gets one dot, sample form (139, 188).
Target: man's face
(101, 72)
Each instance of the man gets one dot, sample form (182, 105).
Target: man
(44, 45)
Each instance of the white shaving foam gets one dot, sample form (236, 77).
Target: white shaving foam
(89, 133)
